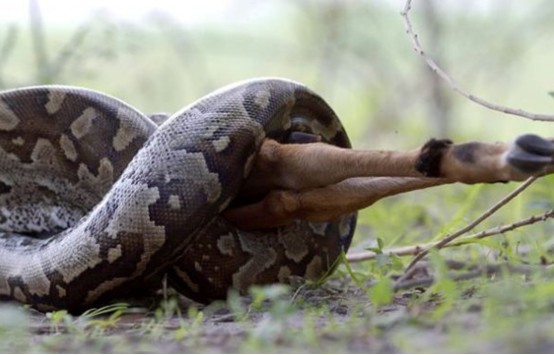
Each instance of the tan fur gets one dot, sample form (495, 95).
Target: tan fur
(319, 182)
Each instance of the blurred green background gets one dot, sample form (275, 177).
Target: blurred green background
(161, 56)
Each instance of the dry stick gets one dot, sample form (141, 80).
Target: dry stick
(400, 251)
(472, 225)
(454, 85)
(415, 249)
(505, 228)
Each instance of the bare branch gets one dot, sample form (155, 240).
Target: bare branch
(503, 229)
(416, 249)
(454, 85)
(401, 251)
(446, 240)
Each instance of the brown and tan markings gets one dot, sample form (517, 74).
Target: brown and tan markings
(252, 184)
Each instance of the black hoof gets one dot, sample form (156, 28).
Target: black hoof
(536, 145)
(531, 153)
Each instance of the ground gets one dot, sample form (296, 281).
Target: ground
(337, 316)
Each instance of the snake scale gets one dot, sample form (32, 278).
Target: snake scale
(96, 200)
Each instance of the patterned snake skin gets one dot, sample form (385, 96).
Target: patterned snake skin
(96, 200)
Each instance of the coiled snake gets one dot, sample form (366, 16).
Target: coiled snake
(96, 200)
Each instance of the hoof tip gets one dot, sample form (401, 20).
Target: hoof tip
(531, 153)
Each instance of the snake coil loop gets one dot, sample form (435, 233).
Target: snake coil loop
(96, 199)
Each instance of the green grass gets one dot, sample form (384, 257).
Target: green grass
(336, 318)
(371, 76)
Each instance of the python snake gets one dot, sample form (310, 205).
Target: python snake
(96, 200)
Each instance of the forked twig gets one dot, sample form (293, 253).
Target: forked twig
(446, 240)
(416, 249)
(422, 251)
(454, 85)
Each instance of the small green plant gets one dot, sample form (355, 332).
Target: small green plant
(445, 291)
(60, 321)
(106, 317)
(271, 293)
(381, 293)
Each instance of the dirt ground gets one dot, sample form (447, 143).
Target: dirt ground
(336, 317)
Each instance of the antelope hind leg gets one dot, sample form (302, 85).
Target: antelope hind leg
(318, 182)
(282, 207)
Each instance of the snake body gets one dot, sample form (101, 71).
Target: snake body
(96, 199)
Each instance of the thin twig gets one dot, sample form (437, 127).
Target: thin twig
(505, 228)
(454, 85)
(416, 249)
(446, 240)
(400, 251)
